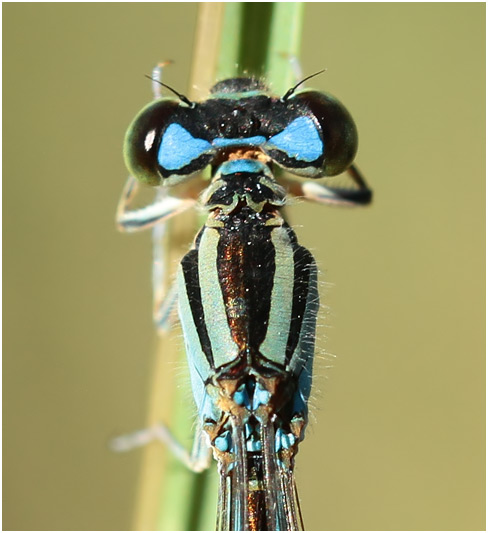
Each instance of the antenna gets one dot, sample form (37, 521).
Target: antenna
(293, 89)
(182, 97)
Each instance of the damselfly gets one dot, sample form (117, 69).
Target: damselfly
(246, 291)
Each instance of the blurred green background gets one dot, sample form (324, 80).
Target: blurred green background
(398, 436)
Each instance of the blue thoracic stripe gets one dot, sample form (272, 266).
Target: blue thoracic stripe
(224, 349)
(274, 344)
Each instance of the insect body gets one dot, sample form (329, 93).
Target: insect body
(247, 291)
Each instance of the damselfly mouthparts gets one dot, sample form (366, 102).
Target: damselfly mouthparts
(246, 291)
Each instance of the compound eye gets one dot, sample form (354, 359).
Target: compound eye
(336, 131)
(159, 149)
(142, 140)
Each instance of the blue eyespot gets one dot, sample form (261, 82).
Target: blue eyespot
(179, 148)
(299, 140)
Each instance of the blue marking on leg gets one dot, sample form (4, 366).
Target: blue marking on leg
(241, 396)
(287, 440)
(179, 148)
(253, 444)
(283, 440)
(278, 435)
(224, 442)
(261, 397)
(207, 410)
(299, 140)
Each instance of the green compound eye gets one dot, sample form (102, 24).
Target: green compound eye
(165, 143)
(142, 140)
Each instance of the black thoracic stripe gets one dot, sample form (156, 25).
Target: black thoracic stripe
(261, 263)
(303, 260)
(189, 266)
(246, 267)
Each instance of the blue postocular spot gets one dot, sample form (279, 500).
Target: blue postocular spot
(299, 140)
(179, 148)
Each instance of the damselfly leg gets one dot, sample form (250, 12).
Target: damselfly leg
(197, 460)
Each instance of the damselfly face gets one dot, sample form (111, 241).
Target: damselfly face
(309, 133)
(247, 291)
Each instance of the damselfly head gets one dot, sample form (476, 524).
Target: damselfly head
(306, 132)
